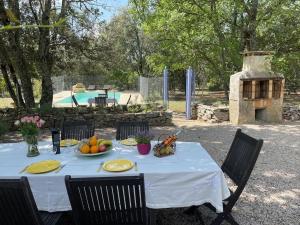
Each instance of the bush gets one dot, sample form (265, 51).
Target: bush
(135, 108)
(3, 128)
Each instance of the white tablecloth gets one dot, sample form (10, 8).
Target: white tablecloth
(190, 177)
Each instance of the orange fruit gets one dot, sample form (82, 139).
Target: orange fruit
(93, 141)
(85, 149)
(94, 149)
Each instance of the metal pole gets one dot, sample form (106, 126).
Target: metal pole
(165, 87)
(189, 75)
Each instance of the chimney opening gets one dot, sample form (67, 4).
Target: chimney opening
(259, 114)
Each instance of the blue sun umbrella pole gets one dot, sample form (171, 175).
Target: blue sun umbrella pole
(188, 93)
(166, 87)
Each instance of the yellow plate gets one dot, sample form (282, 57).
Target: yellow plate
(68, 142)
(43, 166)
(129, 142)
(118, 165)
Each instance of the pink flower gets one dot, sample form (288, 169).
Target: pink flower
(24, 119)
(38, 124)
(42, 122)
(36, 118)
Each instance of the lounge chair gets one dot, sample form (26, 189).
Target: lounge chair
(78, 88)
(124, 106)
(76, 103)
(91, 87)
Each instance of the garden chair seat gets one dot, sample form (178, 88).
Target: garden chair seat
(121, 201)
(77, 129)
(238, 165)
(51, 218)
(18, 206)
(126, 129)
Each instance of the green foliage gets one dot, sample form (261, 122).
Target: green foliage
(2, 87)
(3, 127)
(210, 35)
(135, 108)
(144, 138)
(29, 129)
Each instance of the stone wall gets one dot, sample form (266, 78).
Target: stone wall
(102, 119)
(291, 112)
(212, 114)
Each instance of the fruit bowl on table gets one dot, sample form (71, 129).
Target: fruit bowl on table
(165, 151)
(93, 147)
(77, 151)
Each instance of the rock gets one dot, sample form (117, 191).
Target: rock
(212, 114)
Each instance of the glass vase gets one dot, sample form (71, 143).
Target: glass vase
(32, 145)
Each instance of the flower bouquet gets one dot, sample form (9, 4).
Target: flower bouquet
(143, 140)
(29, 127)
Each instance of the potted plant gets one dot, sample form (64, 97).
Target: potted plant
(143, 140)
(29, 127)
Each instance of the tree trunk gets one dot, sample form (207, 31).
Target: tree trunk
(16, 53)
(222, 48)
(5, 61)
(249, 30)
(9, 85)
(45, 59)
(17, 86)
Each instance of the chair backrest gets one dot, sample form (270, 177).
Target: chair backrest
(107, 200)
(241, 157)
(100, 101)
(102, 95)
(74, 100)
(128, 100)
(125, 129)
(77, 129)
(17, 205)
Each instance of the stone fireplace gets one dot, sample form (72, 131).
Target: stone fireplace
(256, 93)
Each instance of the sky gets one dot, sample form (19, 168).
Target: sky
(112, 7)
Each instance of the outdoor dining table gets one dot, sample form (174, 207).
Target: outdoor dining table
(189, 177)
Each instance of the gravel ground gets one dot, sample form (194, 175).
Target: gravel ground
(272, 195)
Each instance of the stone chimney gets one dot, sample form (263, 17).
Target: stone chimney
(256, 93)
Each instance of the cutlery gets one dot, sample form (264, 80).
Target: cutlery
(135, 166)
(60, 168)
(23, 170)
(100, 167)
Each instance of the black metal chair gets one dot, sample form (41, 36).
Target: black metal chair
(238, 166)
(108, 200)
(77, 129)
(100, 101)
(125, 129)
(17, 205)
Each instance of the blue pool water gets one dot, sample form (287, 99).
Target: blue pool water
(82, 98)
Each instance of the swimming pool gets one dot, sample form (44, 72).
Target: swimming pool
(83, 97)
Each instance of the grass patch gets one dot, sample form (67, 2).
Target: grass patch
(6, 103)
